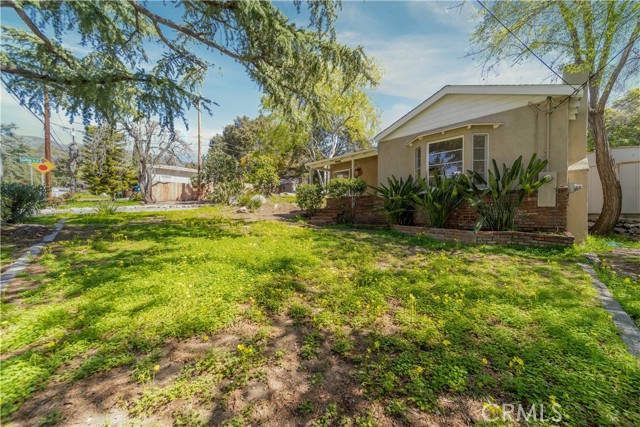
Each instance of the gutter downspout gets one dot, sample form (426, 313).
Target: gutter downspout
(548, 136)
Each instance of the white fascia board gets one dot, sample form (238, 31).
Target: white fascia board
(356, 155)
(550, 90)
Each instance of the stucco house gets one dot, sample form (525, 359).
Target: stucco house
(462, 128)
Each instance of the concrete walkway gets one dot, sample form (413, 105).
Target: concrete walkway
(21, 263)
(628, 330)
(140, 208)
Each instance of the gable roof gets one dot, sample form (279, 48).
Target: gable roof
(526, 90)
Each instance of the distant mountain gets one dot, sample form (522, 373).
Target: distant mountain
(36, 145)
(36, 142)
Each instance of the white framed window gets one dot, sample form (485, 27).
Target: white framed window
(345, 173)
(481, 153)
(446, 156)
(417, 162)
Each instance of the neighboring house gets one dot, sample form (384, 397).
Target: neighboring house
(462, 128)
(173, 183)
(288, 185)
(628, 168)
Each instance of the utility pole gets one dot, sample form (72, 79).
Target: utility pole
(199, 150)
(47, 139)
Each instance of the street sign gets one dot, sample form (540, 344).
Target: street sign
(43, 166)
(29, 160)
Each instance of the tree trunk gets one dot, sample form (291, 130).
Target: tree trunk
(611, 190)
(145, 181)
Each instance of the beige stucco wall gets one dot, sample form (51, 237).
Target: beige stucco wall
(369, 167)
(524, 132)
(577, 216)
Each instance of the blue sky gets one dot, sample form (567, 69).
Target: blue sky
(420, 46)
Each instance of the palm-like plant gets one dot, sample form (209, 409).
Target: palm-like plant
(397, 198)
(438, 199)
(498, 199)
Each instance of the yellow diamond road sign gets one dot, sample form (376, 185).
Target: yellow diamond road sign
(44, 166)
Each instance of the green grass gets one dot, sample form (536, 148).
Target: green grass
(516, 325)
(626, 290)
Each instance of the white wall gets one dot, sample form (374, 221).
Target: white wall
(628, 168)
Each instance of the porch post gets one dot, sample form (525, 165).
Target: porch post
(352, 169)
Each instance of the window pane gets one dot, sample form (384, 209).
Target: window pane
(446, 156)
(451, 144)
(480, 154)
(480, 167)
(418, 161)
(479, 140)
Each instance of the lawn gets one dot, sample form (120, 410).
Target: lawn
(189, 318)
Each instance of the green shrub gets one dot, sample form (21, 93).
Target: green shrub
(225, 193)
(398, 200)
(309, 198)
(70, 197)
(20, 201)
(346, 191)
(250, 201)
(106, 207)
(438, 200)
(498, 200)
(341, 187)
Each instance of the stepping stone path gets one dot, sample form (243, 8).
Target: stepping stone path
(628, 330)
(21, 263)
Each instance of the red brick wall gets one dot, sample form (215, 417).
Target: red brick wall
(530, 217)
(521, 238)
(368, 210)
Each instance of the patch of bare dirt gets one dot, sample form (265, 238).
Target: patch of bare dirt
(17, 238)
(267, 212)
(625, 261)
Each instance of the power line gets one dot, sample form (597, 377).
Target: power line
(17, 99)
(522, 43)
(591, 75)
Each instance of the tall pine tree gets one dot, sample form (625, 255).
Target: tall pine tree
(103, 164)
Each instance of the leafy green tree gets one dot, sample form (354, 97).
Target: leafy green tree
(241, 137)
(347, 122)
(591, 36)
(103, 164)
(12, 147)
(219, 167)
(260, 170)
(118, 78)
(623, 120)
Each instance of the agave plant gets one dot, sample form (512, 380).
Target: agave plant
(438, 199)
(397, 198)
(499, 198)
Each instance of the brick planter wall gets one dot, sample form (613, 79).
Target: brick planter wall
(489, 237)
(368, 210)
(530, 216)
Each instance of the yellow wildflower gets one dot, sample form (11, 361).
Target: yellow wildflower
(156, 368)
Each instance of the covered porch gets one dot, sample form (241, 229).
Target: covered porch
(359, 164)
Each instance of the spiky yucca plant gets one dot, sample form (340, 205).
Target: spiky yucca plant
(438, 199)
(499, 198)
(397, 198)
